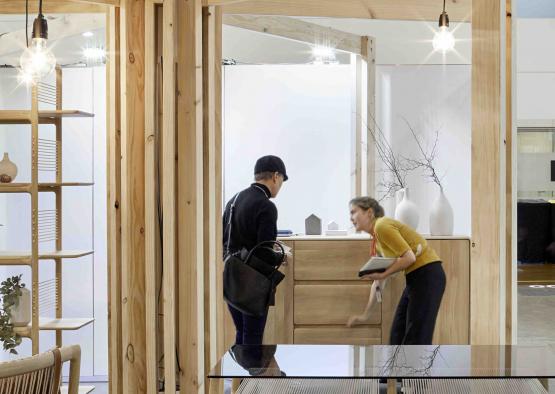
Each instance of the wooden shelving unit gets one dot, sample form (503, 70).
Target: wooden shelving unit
(46, 225)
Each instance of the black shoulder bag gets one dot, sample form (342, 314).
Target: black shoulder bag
(249, 284)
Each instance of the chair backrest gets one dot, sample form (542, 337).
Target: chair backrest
(41, 374)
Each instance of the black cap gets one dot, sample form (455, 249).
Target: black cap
(270, 164)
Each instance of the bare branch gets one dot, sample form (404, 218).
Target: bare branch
(427, 159)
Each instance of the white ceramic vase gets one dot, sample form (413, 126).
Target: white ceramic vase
(406, 210)
(21, 313)
(8, 170)
(441, 216)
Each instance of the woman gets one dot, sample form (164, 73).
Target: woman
(416, 313)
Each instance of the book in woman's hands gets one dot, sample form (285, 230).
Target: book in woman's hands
(376, 264)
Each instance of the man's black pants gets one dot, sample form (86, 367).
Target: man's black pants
(249, 329)
(416, 314)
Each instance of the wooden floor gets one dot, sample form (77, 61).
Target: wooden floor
(536, 273)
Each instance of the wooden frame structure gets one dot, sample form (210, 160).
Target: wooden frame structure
(46, 224)
(185, 133)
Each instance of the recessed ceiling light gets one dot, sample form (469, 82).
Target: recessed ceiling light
(94, 55)
(88, 34)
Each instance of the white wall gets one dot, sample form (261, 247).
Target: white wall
(303, 115)
(535, 69)
(84, 279)
(430, 98)
(535, 99)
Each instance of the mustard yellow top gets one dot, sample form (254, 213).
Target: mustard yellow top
(395, 238)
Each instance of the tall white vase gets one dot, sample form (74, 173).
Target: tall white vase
(441, 216)
(21, 314)
(406, 211)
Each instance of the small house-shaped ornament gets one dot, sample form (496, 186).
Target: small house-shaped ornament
(313, 225)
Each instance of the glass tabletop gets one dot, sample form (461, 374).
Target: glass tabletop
(380, 361)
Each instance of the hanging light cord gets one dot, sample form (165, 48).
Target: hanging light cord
(443, 5)
(27, 23)
(40, 6)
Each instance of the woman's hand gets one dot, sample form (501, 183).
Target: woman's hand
(357, 319)
(375, 276)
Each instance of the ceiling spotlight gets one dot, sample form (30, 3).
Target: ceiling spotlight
(37, 60)
(443, 39)
(323, 55)
(94, 55)
(88, 34)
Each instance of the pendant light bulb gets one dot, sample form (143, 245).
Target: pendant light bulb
(443, 39)
(37, 60)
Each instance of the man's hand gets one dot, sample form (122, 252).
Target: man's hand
(286, 258)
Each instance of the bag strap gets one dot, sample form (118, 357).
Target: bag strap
(273, 243)
(229, 225)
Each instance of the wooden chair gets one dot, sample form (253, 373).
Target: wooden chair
(41, 374)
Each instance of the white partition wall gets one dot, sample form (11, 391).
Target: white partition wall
(429, 98)
(303, 113)
(84, 209)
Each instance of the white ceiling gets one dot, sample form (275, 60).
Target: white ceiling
(67, 44)
(397, 42)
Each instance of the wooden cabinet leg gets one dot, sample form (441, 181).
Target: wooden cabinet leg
(216, 386)
(391, 386)
(235, 385)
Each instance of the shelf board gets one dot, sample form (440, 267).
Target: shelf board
(64, 254)
(53, 185)
(15, 187)
(66, 324)
(45, 116)
(43, 186)
(51, 324)
(82, 389)
(11, 257)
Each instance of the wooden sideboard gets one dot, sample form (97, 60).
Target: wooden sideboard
(321, 291)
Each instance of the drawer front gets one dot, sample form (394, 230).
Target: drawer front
(360, 335)
(330, 260)
(332, 304)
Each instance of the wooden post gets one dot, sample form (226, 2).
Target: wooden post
(509, 183)
(190, 276)
(210, 190)
(133, 195)
(114, 198)
(35, 220)
(370, 53)
(151, 199)
(169, 229)
(486, 197)
(58, 194)
(359, 127)
(221, 310)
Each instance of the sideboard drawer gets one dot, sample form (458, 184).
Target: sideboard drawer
(332, 304)
(330, 260)
(338, 335)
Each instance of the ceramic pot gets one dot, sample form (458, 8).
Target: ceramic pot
(8, 170)
(21, 313)
(406, 211)
(441, 216)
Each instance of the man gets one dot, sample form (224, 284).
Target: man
(254, 220)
